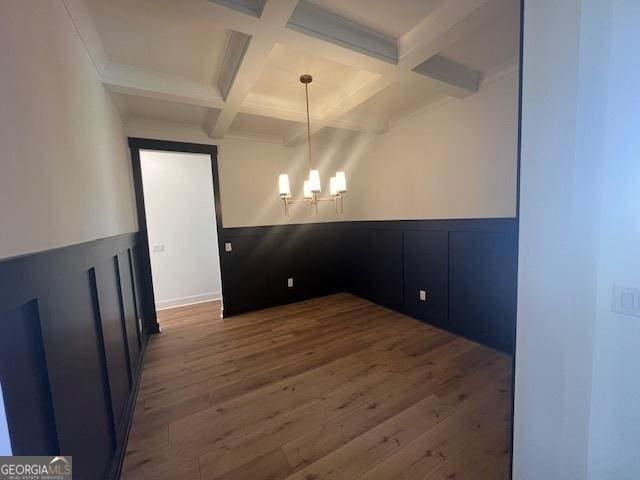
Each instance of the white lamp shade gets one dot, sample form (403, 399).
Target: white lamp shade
(341, 182)
(283, 185)
(333, 186)
(314, 181)
(307, 189)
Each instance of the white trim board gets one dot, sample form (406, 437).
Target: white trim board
(190, 300)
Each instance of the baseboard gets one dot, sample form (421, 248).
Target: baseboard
(191, 300)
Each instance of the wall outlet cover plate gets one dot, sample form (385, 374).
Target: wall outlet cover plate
(626, 300)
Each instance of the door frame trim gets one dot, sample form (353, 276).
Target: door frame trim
(135, 145)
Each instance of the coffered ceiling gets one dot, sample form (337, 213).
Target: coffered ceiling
(393, 18)
(232, 67)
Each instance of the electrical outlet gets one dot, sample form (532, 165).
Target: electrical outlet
(158, 248)
(626, 300)
(228, 247)
(423, 295)
(290, 282)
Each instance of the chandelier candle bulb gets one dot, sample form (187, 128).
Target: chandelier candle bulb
(283, 183)
(341, 182)
(333, 186)
(314, 181)
(307, 189)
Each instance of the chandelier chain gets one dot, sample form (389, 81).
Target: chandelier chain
(306, 91)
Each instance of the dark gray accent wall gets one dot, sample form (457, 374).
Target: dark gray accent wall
(466, 267)
(71, 346)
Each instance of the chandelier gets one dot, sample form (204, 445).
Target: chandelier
(311, 187)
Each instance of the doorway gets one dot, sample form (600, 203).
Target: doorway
(178, 202)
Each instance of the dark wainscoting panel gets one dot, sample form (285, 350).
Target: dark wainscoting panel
(28, 403)
(256, 271)
(71, 340)
(114, 335)
(426, 267)
(482, 275)
(78, 374)
(466, 267)
(386, 266)
(131, 318)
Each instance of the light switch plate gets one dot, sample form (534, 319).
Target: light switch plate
(290, 282)
(423, 295)
(158, 248)
(228, 247)
(626, 300)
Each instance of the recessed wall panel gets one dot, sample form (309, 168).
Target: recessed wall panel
(25, 386)
(114, 334)
(79, 382)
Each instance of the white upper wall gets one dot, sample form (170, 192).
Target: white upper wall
(180, 213)
(457, 160)
(64, 163)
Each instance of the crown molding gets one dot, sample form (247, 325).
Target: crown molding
(254, 137)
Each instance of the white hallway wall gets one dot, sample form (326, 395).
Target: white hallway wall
(563, 106)
(615, 417)
(65, 175)
(577, 387)
(179, 204)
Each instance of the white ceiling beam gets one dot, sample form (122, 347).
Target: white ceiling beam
(271, 21)
(129, 80)
(449, 22)
(297, 116)
(152, 84)
(250, 7)
(216, 12)
(255, 137)
(341, 40)
(236, 47)
(453, 74)
(135, 81)
(314, 21)
(327, 35)
(249, 60)
(332, 116)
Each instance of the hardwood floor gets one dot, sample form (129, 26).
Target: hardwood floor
(330, 388)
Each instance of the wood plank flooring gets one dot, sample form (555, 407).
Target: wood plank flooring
(330, 388)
